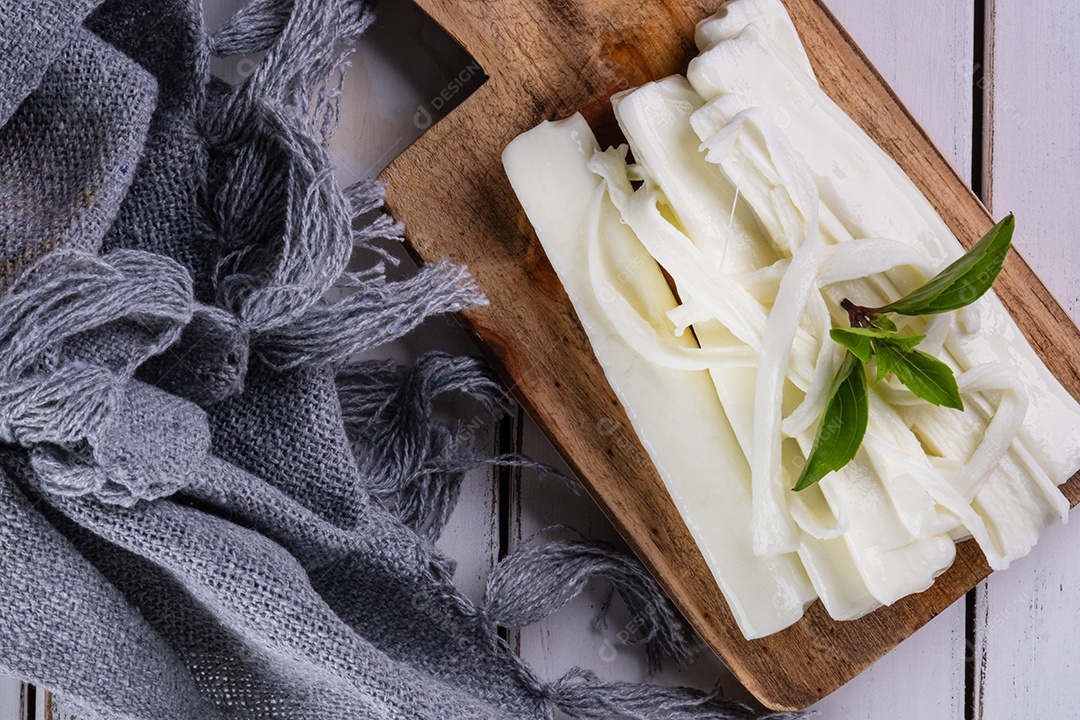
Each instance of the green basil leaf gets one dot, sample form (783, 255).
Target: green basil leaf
(904, 342)
(888, 354)
(860, 341)
(882, 322)
(925, 375)
(964, 281)
(856, 343)
(842, 426)
(887, 359)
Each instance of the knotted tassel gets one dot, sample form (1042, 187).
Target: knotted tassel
(63, 302)
(286, 224)
(375, 313)
(89, 428)
(416, 463)
(66, 407)
(540, 577)
(253, 28)
(277, 204)
(581, 695)
(123, 307)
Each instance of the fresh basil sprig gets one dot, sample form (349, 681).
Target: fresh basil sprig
(842, 426)
(874, 336)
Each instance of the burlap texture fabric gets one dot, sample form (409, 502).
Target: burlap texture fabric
(209, 508)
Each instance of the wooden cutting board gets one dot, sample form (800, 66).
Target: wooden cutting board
(547, 59)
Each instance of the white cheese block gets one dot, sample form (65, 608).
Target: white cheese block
(770, 15)
(655, 121)
(872, 198)
(676, 414)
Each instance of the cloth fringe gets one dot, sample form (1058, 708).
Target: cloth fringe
(541, 577)
(280, 205)
(581, 695)
(289, 224)
(416, 462)
(252, 29)
(70, 300)
(375, 313)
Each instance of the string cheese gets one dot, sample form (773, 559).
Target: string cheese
(707, 272)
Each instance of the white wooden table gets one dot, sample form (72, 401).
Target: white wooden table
(997, 86)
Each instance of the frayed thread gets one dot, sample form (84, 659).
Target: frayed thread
(540, 577)
(375, 313)
(69, 295)
(286, 225)
(581, 695)
(65, 407)
(140, 301)
(280, 206)
(415, 462)
(253, 28)
(91, 429)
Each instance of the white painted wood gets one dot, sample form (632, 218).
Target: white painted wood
(1033, 99)
(924, 50)
(1026, 631)
(924, 676)
(406, 74)
(10, 699)
(472, 536)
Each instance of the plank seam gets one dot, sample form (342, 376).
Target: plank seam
(986, 104)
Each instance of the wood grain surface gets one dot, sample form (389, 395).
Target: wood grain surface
(547, 60)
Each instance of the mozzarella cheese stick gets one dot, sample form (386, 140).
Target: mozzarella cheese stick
(874, 198)
(675, 413)
(770, 15)
(655, 121)
(764, 205)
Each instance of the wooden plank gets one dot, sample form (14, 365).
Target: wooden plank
(471, 537)
(924, 51)
(547, 60)
(1026, 635)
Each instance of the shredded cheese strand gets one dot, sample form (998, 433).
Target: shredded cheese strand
(789, 211)
(1003, 427)
(638, 332)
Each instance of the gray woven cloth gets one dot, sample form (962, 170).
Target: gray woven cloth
(209, 509)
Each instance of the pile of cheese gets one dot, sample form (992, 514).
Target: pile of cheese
(766, 205)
